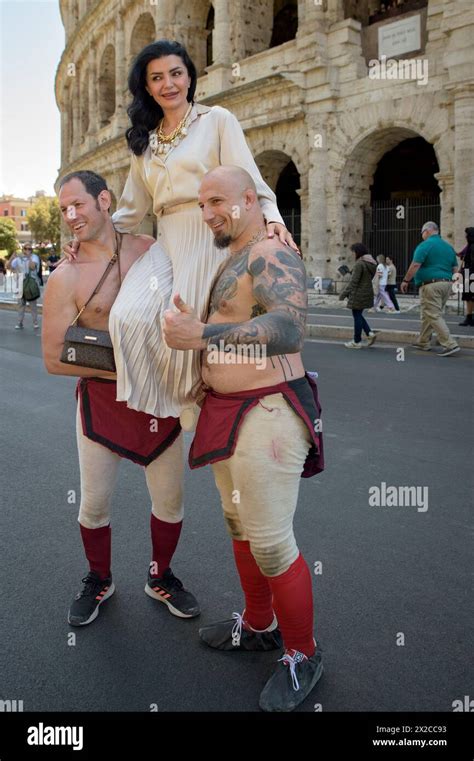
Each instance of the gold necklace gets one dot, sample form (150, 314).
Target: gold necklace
(161, 143)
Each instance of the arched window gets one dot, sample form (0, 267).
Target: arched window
(143, 33)
(107, 85)
(84, 103)
(285, 21)
(209, 30)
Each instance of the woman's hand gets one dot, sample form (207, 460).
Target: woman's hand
(70, 249)
(283, 234)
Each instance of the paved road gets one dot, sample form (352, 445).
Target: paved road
(386, 570)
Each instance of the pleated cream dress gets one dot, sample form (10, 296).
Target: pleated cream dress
(150, 376)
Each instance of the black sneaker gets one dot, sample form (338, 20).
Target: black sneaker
(85, 606)
(294, 678)
(170, 590)
(230, 635)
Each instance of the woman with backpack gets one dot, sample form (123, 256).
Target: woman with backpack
(360, 295)
(28, 265)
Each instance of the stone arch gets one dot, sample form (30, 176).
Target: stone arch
(356, 177)
(210, 31)
(84, 101)
(144, 32)
(271, 164)
(281, 173)
(285, 21)
(191, 29)
(70, 120)
(107, 85)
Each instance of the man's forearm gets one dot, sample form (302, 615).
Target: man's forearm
(65, 368)
(411, 271)
(279, 332)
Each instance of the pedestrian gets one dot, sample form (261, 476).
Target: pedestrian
(381, 280)
(467, 276)
(165, 117)
(360, 295)
(108, 430)
(391, 286)
(27, 264)
(52, 260)
(40, 270)
(258, 430)
(433, 265)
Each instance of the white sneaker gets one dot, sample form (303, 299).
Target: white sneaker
(353, 345)
(19, 326)
(371, 338)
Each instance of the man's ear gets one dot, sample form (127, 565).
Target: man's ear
(105, 200)
(250, 198)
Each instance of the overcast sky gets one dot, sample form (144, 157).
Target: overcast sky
(31, 44)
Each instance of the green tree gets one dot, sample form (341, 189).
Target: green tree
(8, 235)
(54, 230)
(44, 221)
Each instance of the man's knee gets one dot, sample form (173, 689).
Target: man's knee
(276, 558)
(169, 508)
(234, 527)
(93, 520)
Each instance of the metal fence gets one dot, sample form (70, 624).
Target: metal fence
(292, 220)
(393, 228)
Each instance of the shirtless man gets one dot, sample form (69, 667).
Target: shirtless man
(258, 428)
(122, 432)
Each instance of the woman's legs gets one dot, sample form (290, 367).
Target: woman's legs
(391, 293)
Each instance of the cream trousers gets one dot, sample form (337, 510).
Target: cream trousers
(433, 298)
(99, 470)
(259, 484)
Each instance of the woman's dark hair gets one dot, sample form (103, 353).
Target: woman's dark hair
(144, 111)
(359, 250)
(469, 234)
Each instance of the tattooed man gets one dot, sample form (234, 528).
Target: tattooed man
(259, 427)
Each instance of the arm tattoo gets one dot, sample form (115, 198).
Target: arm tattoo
(279, 289)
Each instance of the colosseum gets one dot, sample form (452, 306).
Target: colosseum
(359, 114)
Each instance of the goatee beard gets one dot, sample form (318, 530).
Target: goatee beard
(223, 241)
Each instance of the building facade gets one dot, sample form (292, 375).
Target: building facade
(360, 114)
(17, 209)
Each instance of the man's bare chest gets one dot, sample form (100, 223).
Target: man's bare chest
(232, 298)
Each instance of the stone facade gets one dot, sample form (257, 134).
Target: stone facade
(309, 100)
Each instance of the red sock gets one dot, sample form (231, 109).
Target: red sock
(257, 591)
(98, 548)
(164, 538)
(293, 604)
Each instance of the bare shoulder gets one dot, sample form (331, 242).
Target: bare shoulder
(65, 274)
(276, 258)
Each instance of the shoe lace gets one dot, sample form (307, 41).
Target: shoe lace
(172, 581)
(237, 629)
(292, 661)
(91, 584)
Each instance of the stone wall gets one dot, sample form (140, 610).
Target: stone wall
(309, 100)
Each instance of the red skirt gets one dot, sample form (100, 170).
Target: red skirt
(131, 434)
(222, 415)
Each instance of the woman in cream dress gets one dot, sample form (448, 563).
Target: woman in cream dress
(166, 175)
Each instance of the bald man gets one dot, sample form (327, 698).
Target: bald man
(258, 427)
